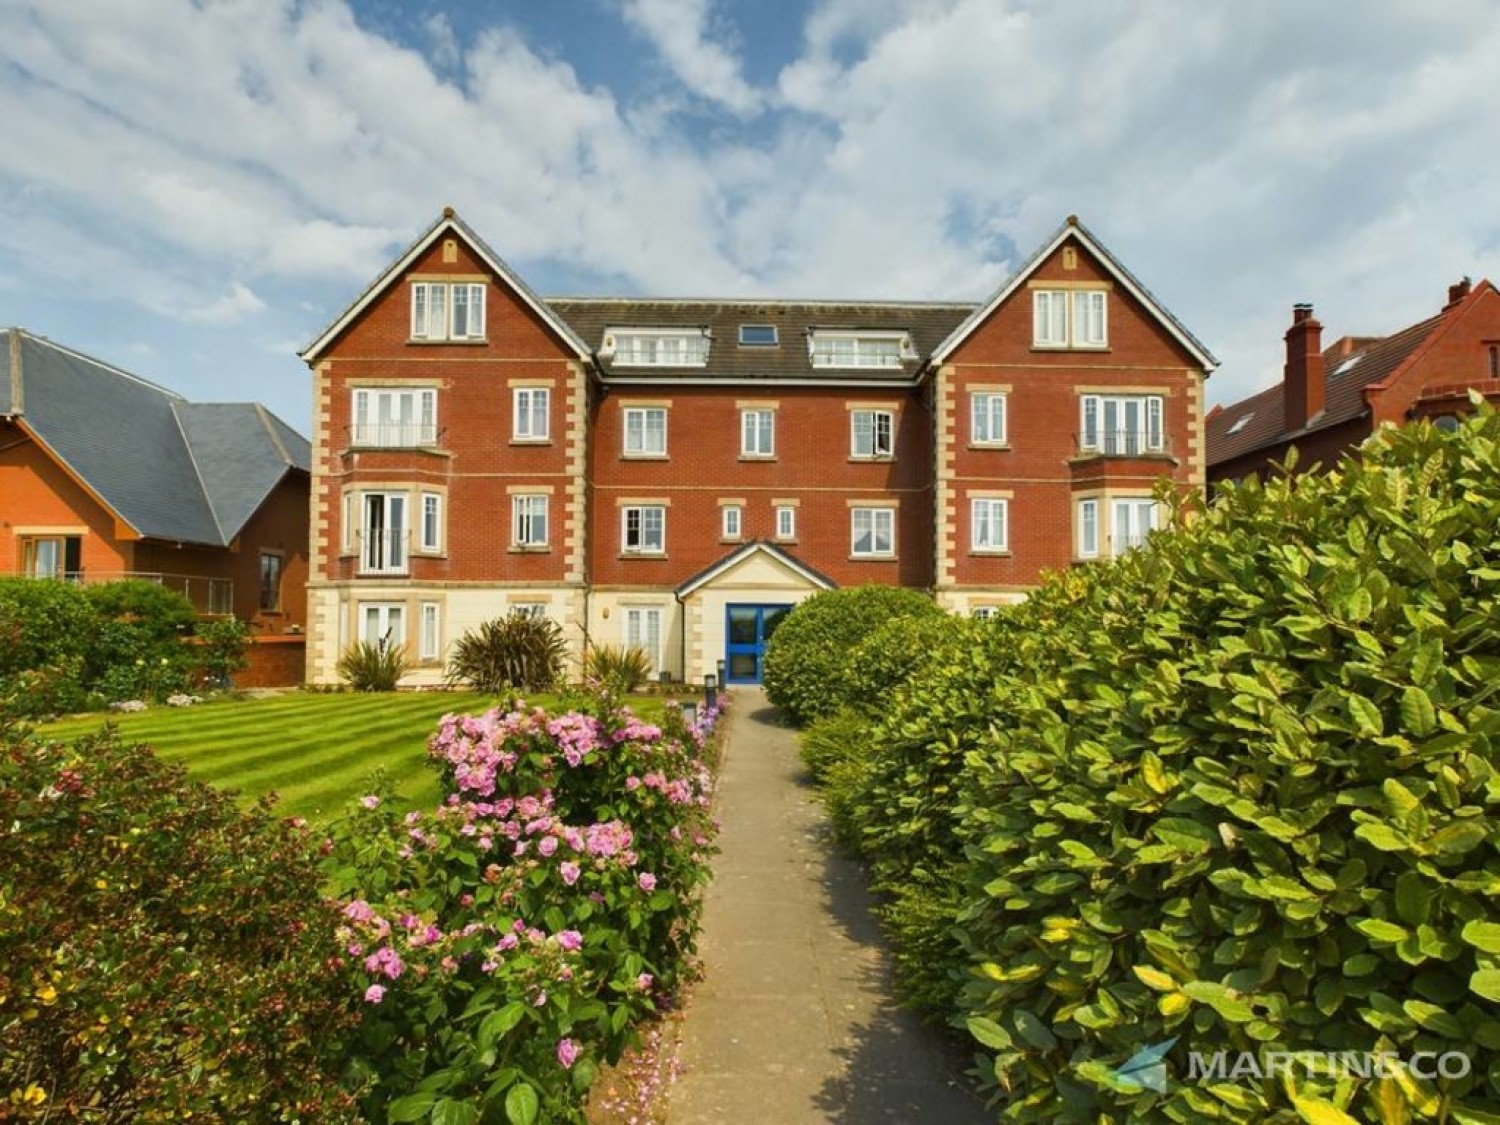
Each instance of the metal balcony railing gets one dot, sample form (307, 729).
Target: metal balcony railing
(211, 597)
(1122, 443)
(383, 551)
(393, 435)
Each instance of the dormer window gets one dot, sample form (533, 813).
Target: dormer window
(656, 347)
(444, 311)
(839, 348)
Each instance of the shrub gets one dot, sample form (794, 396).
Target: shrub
(896, 651)
(43, 624)
(514, 652)
(832, 740)
(511, 940)
(617, 669)
(162, 615)
(1236, 789)
(807, 658)
(223, 649)
(163, 955)
(374, 666)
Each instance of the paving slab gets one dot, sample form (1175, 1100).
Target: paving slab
(795, 1020)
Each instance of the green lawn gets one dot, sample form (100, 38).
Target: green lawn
(315, 751)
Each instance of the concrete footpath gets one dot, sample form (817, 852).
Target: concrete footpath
(794, 1020)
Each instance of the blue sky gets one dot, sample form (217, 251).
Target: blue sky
(194, 191)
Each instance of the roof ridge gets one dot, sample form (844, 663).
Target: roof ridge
(104, 365)
(208, 498)
(264, 415)
(790, 302)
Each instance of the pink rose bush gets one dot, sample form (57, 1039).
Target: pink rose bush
(509, 941)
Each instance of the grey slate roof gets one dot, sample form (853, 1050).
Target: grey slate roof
(169, 468)
(929, 323)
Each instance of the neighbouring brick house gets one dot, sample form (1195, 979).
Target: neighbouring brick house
(104, 475)
(676, 474)
(1331, 399)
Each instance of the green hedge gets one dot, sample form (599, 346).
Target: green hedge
(806, 670)
(1236, 790)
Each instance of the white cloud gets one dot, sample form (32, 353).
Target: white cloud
(683, 32)
(911, 148)
(234, 305)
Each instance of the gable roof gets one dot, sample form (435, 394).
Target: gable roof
(755, 547)
(1072, 228)
(1345, 382)
(447, 222)
(168, 468)
(788, 360)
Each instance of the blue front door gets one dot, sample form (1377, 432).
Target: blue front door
(747, 628)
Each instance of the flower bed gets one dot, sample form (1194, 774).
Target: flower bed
(510, 940)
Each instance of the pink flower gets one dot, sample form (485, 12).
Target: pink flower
(570, 940)
(647, 881)
(570, 872)
(644, 982)
(547, 845)
(567, 1053)
(376, 992)
(541, 999)
(370, 802)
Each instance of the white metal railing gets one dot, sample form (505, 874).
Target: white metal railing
(384, 551)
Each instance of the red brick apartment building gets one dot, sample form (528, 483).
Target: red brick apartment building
(1331, 399)
(104, 475)
(676, 474)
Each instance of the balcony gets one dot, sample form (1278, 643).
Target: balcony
(1121, 443)
(393, 435)
(384, 551)
(210, 597)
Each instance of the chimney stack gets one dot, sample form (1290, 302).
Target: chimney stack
(1458, 292)
(1302, 378)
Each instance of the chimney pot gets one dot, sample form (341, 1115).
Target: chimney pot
(1458, 292)
(1300, 312)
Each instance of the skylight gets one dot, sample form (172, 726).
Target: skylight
(1348, 364)
(758, 336)
(1241, 422)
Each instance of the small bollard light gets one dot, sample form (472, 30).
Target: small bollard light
(689, 713)
(664, 677)
(722, 680)
(710, 683)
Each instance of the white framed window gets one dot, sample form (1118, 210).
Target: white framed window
(383, 533)
(393, 419)
(431, 538)
(346, 528)
(757, 433)
(379, 621)
(871, 433)
(529, 520)
(643, 529)
(657, 347)
(1131, 521)
(429, 644)
(989, 524)
(1088, 529)
(987, 418)
(645, 431)
(786, 522)
(532, 410)
(731, 526)
(1121, 425)
(443, 310)
(643, 631)
(534, 610)
(872, 532)
(982, 612)
(54, 556)
(1069, 318)
(859, 349)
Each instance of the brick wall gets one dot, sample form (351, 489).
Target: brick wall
(36, 493)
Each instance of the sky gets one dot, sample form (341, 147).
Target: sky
(194, 191)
